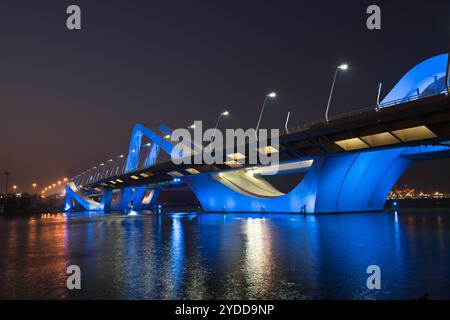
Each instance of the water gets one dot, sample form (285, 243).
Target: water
(233, 256)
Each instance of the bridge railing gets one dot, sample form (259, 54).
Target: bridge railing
(373, 108)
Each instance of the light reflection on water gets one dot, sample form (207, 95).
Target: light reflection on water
(232, 256)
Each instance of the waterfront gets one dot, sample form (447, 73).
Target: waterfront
(232, 256)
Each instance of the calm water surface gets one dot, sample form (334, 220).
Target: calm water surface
(233, 256)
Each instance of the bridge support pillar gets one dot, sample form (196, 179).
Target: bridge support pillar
(144, 198)
(121, 202)
(138, 198)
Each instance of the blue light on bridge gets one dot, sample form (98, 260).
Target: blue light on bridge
(352, 181)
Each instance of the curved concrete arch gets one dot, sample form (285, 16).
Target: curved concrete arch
(246, 184)
(73, 194)
(419, 78)
(159, 142)
(157, 139)
(144, 198)
(350, 182)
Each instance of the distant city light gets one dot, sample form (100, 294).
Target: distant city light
(407, 192)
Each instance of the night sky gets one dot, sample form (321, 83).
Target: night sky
(69, 99)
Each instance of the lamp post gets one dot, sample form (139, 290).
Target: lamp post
(225, 113)
(7, 173)
(34, 187)
(271, 95)
(342, 67)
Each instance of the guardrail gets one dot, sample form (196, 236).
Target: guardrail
(374, 108)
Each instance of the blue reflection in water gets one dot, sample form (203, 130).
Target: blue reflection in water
(176, 251)
(231, 256)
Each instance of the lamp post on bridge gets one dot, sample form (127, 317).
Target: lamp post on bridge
(271, 95)
(342, 67)
(225, 113)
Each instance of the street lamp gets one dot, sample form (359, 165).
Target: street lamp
(271, 95)
(7, 173)
(222, 114)
(342, 67)
(192, 126)
(14, 188)
(225, 113)
(34, 187)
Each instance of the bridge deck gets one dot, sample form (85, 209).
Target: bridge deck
(424, 121)
(389, 127)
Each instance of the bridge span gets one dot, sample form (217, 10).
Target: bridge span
(350, 163)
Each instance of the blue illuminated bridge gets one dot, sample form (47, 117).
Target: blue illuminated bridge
(349, 164)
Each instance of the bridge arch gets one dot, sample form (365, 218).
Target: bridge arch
(351, 182)
(158, 142)
(429, 74)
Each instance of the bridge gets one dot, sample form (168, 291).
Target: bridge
(350, 163)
